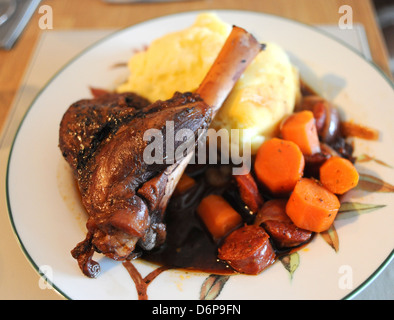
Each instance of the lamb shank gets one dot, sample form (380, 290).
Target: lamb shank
(102, 139)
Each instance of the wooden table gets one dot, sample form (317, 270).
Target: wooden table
(88, 14)
(95, 14)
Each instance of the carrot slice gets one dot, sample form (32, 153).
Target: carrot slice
(338, 175)
(300, 127)
(311, 206)
(184, 184)
(218, 216)
(279, 165)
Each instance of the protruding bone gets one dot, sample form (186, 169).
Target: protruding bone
(236, 54)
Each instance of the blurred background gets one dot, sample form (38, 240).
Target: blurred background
(385, 16)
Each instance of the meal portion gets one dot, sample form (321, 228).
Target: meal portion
(202, 216)
(103, 140)
(267, 90)
(224, 223)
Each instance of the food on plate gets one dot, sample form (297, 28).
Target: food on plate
(338, 175)
(300, 127)
(352, 129)
(247, 250)
(283, 232)
(249, 191)
(185, 183)
(177, 61)
(121, 193)
(311, 206)
(279, 165)
(268, 89)
(282, 195)
(103, 139)
(200, 215)
(326, 116)
(218, 215)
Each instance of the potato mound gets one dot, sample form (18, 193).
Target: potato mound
(178, 61)
(262, 97)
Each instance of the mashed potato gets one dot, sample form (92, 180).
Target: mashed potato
(178, 61)
(266, 92)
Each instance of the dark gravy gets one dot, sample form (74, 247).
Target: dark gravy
(188, 245)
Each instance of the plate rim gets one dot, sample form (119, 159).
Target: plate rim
(58, 72)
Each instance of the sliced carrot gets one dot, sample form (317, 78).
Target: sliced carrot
(279, 165)
(311, 206)
(218, 216)
(184, 184)
(338, 175)
(300, 127)
(249, 191)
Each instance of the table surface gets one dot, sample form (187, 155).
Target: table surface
(96, 14)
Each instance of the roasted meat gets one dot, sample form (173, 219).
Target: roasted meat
(88, 122)
(103, 141)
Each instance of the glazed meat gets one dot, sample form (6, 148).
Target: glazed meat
(124, 193)
(87, 122)
(283, 232)
(103, 141)
(247, 250)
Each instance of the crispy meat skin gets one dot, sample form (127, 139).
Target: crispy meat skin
(102, 140)
(87, 122)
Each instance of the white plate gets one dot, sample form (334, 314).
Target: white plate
(48, 219)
